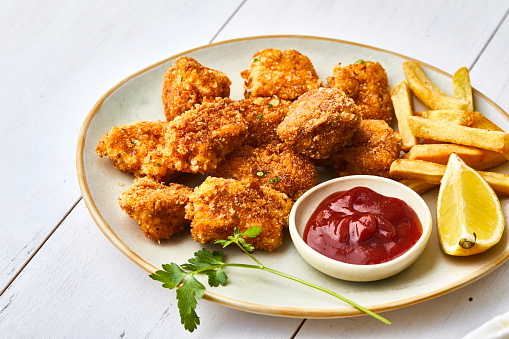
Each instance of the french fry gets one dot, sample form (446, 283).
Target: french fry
(402, 103)
(427, 92)
(458, 117)
(432, 173)
(492, 140)
(439, 153)
(430, 142)
(418, 186)
(462, 87)
(491, 159)
(480, 121)
(419, 170)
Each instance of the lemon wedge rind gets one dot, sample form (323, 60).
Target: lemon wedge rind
(469, 215)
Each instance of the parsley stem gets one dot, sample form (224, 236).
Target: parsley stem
(334, 294)
(252, 257)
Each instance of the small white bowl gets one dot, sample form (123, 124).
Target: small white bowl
(309, 201)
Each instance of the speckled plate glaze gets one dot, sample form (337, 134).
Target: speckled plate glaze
(138, 97)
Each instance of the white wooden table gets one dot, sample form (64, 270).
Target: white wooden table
(59, 275)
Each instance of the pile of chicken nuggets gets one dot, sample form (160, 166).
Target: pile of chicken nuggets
(259, 154)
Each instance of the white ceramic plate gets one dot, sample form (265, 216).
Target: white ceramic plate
(139, 98)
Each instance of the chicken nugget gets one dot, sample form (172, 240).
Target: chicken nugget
(137, 148)
(276, 166)
(220, 205)
(263, 115)
(287, 75)
(373, 149)
(198, 140)
(367, 84)
(320, 122)
(159, 209)
(187, 83)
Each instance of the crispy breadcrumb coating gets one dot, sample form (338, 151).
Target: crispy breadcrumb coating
(320, 122)
(198, 140)
(374, 147)
(263, 115)
(137, 148)
(276, 166)
(287, 75)
(187, 83)
(219, 205)
(367, 84)
(159, 209)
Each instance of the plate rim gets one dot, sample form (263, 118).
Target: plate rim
(300, 312)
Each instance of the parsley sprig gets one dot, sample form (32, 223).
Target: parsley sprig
(212, 264)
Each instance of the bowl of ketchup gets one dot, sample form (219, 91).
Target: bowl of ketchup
(360, 227)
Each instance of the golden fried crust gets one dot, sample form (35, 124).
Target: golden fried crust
(137, 148)
(159, 209)
(263, 115)
(276, 166)
(198, 140)
(367, 84)
(374, 148)
(320, 122)
(287, 75)
(219, 205)
(187, 83)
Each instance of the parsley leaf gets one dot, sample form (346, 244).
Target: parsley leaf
(171, 276)
(274, 180)
(252, 232)
(204, 258)
(212, 264)
(187, 295)
(217, 277)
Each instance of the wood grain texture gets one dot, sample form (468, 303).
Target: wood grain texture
(56, 61)
(59, 57)
(450, 316)
(80, 286)
(447, 35)
(490, 74)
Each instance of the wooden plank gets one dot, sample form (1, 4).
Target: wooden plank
(56, 61)
(447, 35)
(80, 286)
(490, 74)
(450, 316)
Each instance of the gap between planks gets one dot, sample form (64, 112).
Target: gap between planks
(298, 329)
(40, 246)
(227, 21)
(489, 40)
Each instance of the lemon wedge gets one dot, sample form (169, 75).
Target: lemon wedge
(469, 214)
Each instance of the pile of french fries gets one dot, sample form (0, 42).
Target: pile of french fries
(450, 126)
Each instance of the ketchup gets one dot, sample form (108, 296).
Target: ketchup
(362, 227)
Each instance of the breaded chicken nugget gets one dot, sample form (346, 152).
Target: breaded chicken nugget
(263, 115)
(367, 84)
(219, 205)
(159, 209)
(137, 148)
(374, 147)
(276, 166)
(198, 140)
(320, 122)
(287, 75)
(187, 83)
